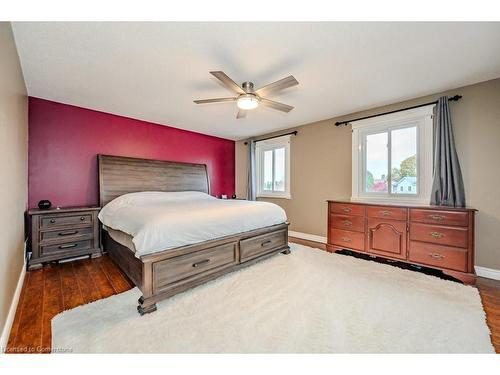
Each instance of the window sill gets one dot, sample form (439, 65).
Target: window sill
(402, 201)
(274, 196)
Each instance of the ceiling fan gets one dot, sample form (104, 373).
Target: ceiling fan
(248, 98)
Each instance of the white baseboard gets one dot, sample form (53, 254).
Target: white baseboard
(489, 273)
(307, 236)
(13, 308)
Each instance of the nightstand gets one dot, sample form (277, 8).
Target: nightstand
(63, 233)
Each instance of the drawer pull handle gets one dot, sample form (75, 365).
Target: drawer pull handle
(82, 218)
(265, 243)
(347, 223)
(436, 234)
(68, 246)
(52, 221)
(347, 209)
(436, 256)
(345, 239)
(201, 262)
(385, 213)
(437, 217)
(68, 233)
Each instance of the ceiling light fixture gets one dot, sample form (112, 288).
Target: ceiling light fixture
(248, 101)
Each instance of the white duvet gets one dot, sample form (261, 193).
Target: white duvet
(159, 221)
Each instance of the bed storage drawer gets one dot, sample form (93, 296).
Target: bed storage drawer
(193, 265)
(253, 247)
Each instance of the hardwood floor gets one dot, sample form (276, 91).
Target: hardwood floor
(57, 287)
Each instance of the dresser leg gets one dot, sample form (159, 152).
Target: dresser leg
(332, 249)
(33, 267)
(145, 306)
(466, 278)
(286, 252)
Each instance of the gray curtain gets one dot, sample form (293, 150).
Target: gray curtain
(447, 186)
(252, 183)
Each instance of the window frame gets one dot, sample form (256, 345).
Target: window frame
(421, 118)
(267, 145)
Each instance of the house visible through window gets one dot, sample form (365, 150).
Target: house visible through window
(392, 157)
(273, 167)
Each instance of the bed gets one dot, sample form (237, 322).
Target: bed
(165, 251)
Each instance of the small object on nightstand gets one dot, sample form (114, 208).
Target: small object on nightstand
(62, 233)
(233, 196)
(44, 204)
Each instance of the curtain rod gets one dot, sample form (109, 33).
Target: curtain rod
(340, 123)
(275, 136)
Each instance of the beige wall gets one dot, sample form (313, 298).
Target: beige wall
(321, 165)
(13, 168)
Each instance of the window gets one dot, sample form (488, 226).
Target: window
(392, 157)
(273, 167)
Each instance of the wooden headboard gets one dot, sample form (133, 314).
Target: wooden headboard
(120, 175)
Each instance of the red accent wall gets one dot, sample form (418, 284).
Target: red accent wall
(64, 141)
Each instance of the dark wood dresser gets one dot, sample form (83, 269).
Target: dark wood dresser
(431, 236)
(63, 233)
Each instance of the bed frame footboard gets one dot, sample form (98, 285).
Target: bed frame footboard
(164, 274)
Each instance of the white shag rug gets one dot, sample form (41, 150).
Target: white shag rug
(309, 301)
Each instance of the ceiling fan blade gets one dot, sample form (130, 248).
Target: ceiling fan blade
(241, 114)
(228, 82)
(217, 100)
(275, 105)
(277, 86)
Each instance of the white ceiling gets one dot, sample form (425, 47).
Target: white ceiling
(153, 71)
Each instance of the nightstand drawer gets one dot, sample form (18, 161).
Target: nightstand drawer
(66, 247)
(65, 235)
(59, 220)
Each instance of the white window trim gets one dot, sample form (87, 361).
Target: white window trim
(262, 146)
(423, 118)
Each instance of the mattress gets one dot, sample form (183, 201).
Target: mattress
(149, 222)
(121, 237)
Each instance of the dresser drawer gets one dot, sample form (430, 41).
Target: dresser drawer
(438, 256)
(65, 235)
(66, 248)
(347, 208)
(59, 220)
(386, 212)
(348, 239)
(348, 222)
(451, 236)
(193, 265)
(439, 217)
(253, 247)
